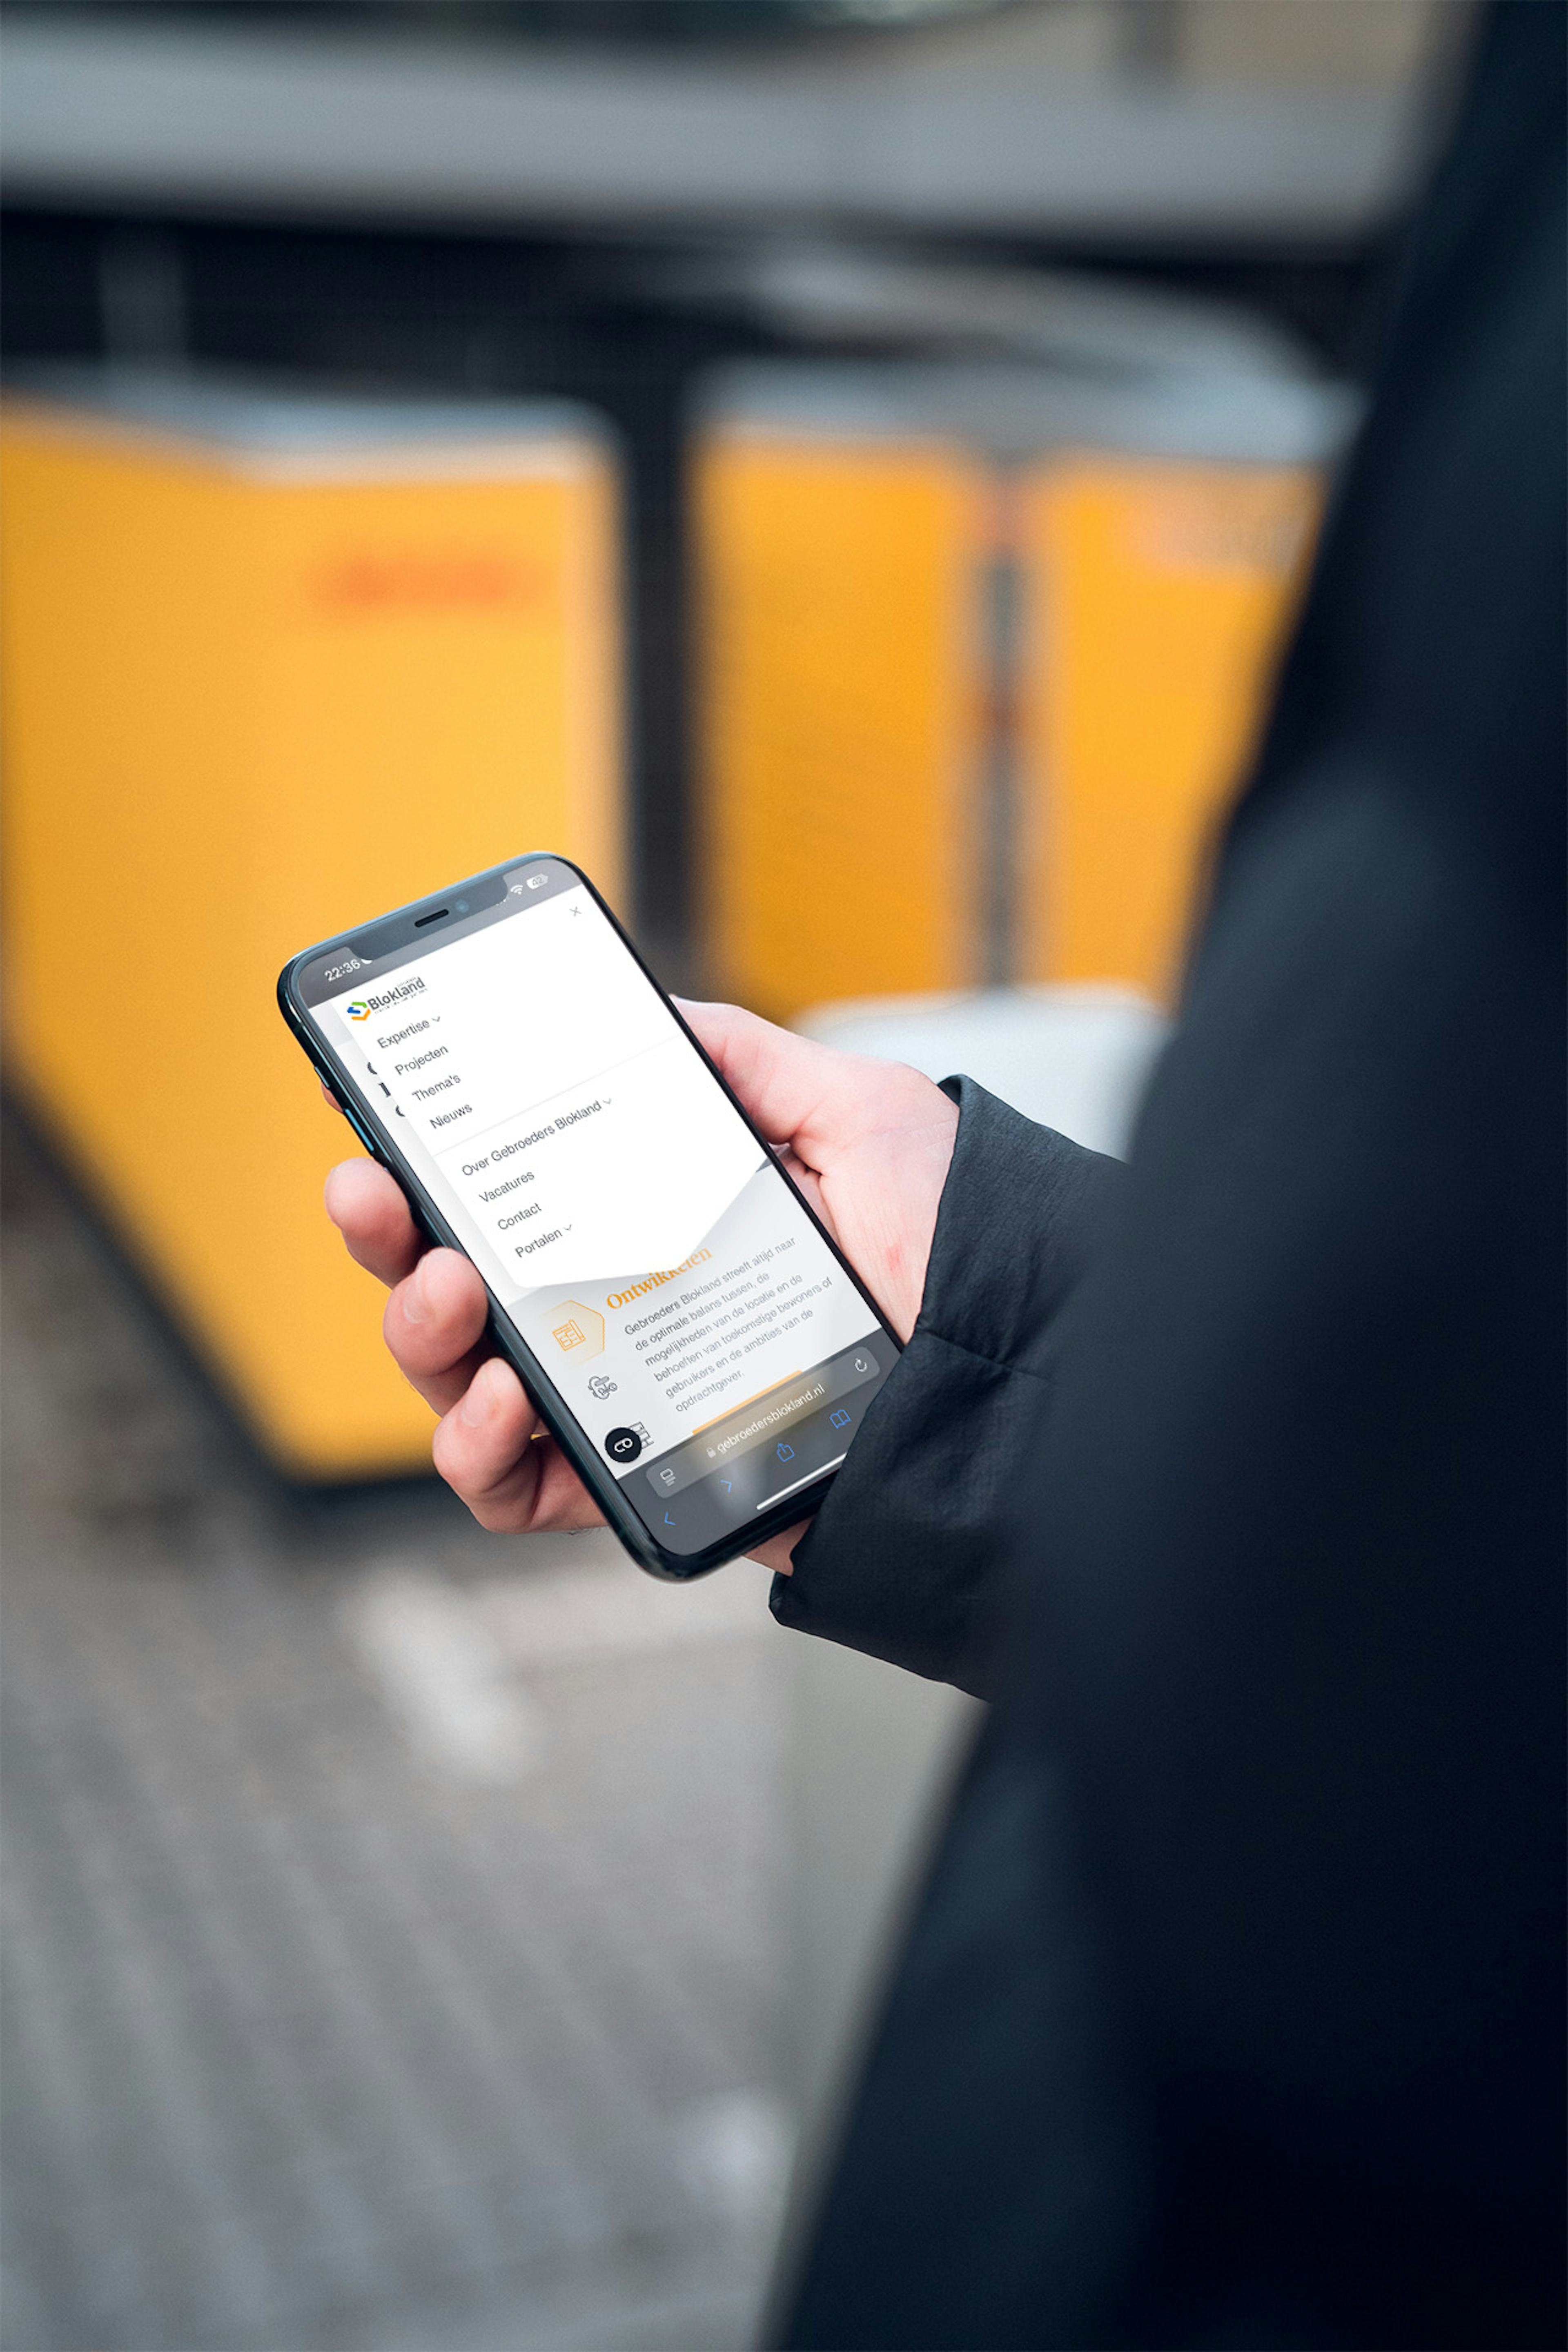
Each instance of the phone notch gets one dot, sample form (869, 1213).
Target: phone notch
(402, 928)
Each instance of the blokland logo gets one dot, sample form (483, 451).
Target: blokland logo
(360, 1008)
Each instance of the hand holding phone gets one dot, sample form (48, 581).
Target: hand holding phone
(869, 1143)
(677, 1301)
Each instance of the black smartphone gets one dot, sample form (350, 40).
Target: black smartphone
(694, 1339)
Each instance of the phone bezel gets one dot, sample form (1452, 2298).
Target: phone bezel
(677, 1567)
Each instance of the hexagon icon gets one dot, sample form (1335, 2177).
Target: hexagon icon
(577, 1330)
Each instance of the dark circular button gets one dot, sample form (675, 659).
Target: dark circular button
(623, 1445)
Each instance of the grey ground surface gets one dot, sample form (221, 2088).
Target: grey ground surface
(386, 1907)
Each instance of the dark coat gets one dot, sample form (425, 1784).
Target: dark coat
(1231, 2015)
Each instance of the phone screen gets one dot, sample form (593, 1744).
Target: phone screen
(651, 1252)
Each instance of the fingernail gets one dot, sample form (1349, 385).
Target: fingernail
(475, 1406)
(416, 1306)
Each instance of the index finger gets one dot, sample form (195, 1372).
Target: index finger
(374, 1220)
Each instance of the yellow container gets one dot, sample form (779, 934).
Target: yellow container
(1162, 593)
(273, 666)
(839, 724)
(984, 646)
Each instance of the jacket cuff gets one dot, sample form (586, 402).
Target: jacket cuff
(905, 1559)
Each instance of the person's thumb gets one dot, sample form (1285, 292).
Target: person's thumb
(792, 1087)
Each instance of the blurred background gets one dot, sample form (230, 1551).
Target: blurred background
(841, 470)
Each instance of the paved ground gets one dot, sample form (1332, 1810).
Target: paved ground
(387, 1910)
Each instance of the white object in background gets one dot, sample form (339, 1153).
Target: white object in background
(459, 1665)
(1076, 1058)
(442, 1673)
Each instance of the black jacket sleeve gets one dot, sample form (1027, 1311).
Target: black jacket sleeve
(905, 1559)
